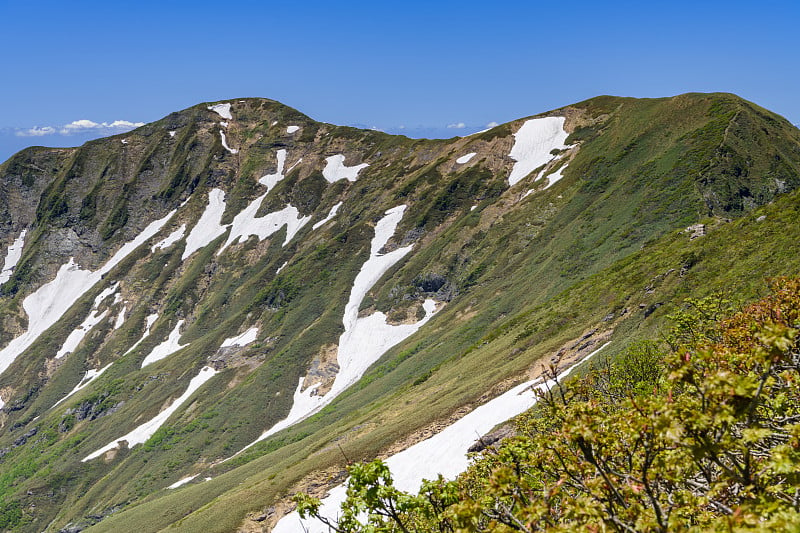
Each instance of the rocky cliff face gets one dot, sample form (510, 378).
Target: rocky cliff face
(237, 292)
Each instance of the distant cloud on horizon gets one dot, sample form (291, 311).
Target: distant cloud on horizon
(36, 131)
(458, 126)
(78, 127)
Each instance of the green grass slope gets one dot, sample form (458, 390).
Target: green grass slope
(518, 277)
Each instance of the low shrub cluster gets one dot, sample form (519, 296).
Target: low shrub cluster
(700, 431)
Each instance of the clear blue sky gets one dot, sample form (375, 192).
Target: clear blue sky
(419, 65)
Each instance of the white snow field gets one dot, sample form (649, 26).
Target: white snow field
(208, 227)
(146, 430)
(241, 340)
(364, 339)
(120, 317)
(149, 321)
(270, 180)
(334, 210)
(533, 143)
(49, 302)
(292, 129)
(554, 177)
(246, 223)
(170, 239)
(465, 158)
(90, 376)
(223, 110)
(225, 143)
(182, 482)
(166, 348)
(444, 453)
(13, 255)
(336, 170)
(172, 133)
(76, 336)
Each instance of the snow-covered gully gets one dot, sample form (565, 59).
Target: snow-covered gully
(142, 433)
(443, 453)
(365, 339)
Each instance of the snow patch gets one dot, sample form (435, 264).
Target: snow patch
(336, 170)
(444, 453)
(90, 376)
(334, 210)
(172, 133)
(120, 317)
(225, 143)
(281, 267)
(364, 339)
(13, 255)
(292, 129)
(223, 110)
(465, 158)
(223, 124)
(75, 338)
(246, 223)
(181, 482)
(171, 239)
(554, 177)
(533, 143)
(208, 227)
(149, 321)
(141, 434)
(270, 180)
(49, 302)
(473, 208)
(241, 340)
(168, 347)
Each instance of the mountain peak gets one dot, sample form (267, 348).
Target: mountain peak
(240, 294)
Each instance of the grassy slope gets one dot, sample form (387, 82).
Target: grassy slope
(733, 257)
(519, 270)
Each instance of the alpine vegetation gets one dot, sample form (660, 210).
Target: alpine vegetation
(236, 316)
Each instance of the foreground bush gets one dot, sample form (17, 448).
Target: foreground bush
(702, 433)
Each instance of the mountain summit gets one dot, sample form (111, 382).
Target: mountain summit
(209, 313)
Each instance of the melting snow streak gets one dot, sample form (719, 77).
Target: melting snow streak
(241, 340)
(443, 453)
(13, 254)
(90, 376)
(146, 430)
(365, 339)
(168, 347)
(208, 227)
(334, 210)
(225, 143)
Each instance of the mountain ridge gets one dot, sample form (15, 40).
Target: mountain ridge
(634, 173)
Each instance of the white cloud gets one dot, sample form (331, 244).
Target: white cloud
(84, 125)
(492, 124)
(81, 127)
(78, 126)
(125, 124)
(457, 126)
(36, 131)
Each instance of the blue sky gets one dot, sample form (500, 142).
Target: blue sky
(413, 66)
